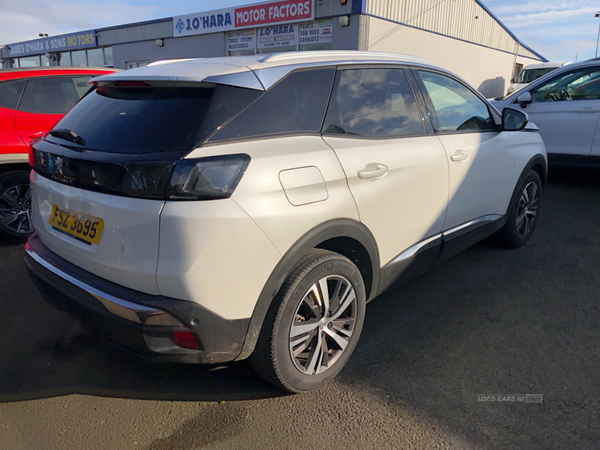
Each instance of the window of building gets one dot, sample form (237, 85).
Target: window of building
(108, 56)
(65, 59)
(29, 61)
(95, 57)
(78, 58)
(373, 102)
(315, 35)
(457, 108)
(294, 105)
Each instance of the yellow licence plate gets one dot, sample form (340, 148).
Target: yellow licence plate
(82, 227)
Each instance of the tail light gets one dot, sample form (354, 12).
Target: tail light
(207, 178)
(35, 138)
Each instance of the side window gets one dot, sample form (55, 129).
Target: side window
(295, 104)
(10, 92)
(457, 107)
(82, 85)
(52, 95)
(373, 102)
(581, 84)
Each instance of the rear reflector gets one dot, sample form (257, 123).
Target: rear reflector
(186, 339)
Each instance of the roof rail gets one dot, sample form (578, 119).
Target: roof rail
(347, 54)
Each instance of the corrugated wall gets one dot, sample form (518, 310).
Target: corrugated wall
(136, 32)
(461, 19)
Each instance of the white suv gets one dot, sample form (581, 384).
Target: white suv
(211, 210)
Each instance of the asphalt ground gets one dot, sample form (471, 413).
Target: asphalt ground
(488, 321)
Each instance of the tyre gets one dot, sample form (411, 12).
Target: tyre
(522, 213)
(313, 325)
(15, 205)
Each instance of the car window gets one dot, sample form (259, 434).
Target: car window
(295, 104)
(373, 102)
(580, 84)
(10, 92)
(82, 85)
(53, 95)
(529, 75)
(457, 107)
(150, 119)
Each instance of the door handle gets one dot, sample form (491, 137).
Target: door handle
(459, 156)
(372, 171)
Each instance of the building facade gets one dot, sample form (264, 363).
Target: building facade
(463, 36)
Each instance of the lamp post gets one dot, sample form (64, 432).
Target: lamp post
(598, 40)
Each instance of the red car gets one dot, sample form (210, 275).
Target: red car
(32, 100)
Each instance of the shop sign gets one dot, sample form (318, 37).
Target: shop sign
(316, 32)
(241, 40)
(277, 36)
(235, 18)
(65, 42)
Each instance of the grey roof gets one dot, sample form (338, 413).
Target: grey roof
(254, 72)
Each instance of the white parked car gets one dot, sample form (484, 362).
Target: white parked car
(565, 105)
(531, 73)
(211, 210)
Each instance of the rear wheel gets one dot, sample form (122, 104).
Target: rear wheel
(15, 205)
(313, 325)
(523, 212)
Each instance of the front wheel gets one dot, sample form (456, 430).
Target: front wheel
(522, 212)
(313, 324)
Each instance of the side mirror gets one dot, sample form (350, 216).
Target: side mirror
(514, 120)
(524, 99)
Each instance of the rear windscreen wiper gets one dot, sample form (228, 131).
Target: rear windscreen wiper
(68, 135)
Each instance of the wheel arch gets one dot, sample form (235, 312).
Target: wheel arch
(345, 236)
(14, 167)
(538, 164)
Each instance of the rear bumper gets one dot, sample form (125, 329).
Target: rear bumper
(128, 318)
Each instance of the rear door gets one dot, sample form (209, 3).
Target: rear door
(10, 142)
(396, 170)
(46, 100)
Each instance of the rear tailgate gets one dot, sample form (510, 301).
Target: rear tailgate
(127, 252)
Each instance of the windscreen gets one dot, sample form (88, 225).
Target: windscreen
(529, 75)
(147, 119)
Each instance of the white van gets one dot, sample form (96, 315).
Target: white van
(533, 72)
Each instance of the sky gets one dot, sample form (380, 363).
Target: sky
(559, 30)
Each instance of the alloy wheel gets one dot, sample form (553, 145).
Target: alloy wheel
(15, 209)
(323, 324)
(528, 209)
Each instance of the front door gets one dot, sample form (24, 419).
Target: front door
(480, 156)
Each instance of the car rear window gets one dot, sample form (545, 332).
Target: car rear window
(149, 119)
